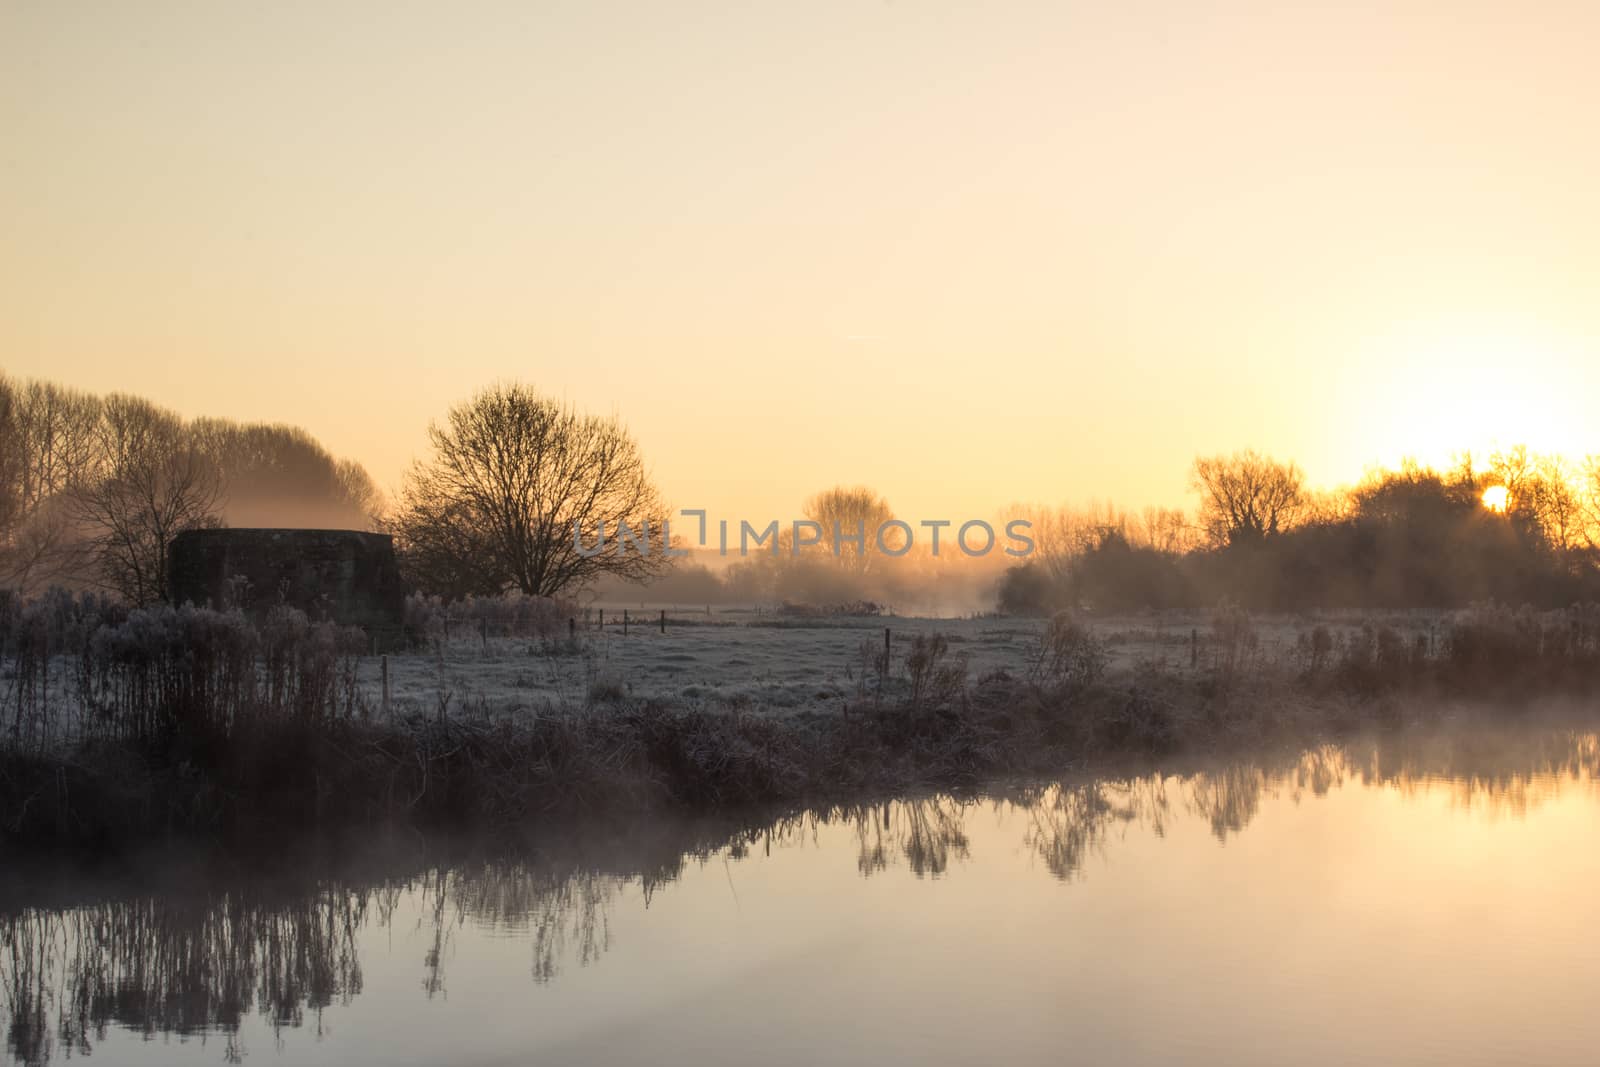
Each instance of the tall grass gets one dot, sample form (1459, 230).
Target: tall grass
(83, 669)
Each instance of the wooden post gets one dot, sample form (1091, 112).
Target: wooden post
(886, 650)
(1194, 649)
(624, 622)
(663, 620)
(572, 630)
(602, 620)
(385, 671)
(486, 635)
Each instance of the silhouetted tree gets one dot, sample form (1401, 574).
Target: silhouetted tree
(152, 482)
(1589, 502)
(1246, 497)
(1030, 589)
(1549, 497)
(1116, 575)
(11, 462)
(1166, 530)
(57, 437)
(47, 447)
(849, 510)
(513, 475)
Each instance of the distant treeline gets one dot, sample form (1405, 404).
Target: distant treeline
(1521, 529)
(93, 488)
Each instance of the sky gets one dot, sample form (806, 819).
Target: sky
(967, 254)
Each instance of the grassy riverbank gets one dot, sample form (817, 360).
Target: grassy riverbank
(202, 723)
(299, 752)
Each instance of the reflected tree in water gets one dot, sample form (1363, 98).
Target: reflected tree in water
(928, 833)
(158, 966)
(1066, 823)
(198, 964)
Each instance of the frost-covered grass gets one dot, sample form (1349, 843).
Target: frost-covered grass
(753, 662)
(762, 664)
(779, 665)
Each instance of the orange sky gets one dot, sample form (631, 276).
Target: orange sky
(966, 254)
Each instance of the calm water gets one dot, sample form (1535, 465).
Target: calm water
(1428, 899)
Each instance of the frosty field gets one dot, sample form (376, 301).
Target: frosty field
(733, 661)
(738, 659)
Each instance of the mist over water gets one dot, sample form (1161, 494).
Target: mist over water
(1407, 898)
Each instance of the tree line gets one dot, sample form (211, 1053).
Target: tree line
(1520, 528)
(94, 488)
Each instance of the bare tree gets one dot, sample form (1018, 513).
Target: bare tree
(515, 479)
(1246, 497)
(47, 448)
(1551, 497)
(58, 439)
(1166, 530)
(1589, 502)
(1061, 535)
(153, 483)
(11, 464)
(1515, 468)
(44, 549)
(846, 511)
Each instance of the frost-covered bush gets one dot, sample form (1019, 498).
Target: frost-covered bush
(309, 667)
(1234, 636)
(1070, 656)
(937, 678)
(166, 669)
(206, 673)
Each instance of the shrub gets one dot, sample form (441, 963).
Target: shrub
(1234, 636)
(937, 678)
(1028, 589)
(1070, 658)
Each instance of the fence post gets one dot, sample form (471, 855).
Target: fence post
(886, 649)
(663, 620)
(486, 635)
(624, 622)
(572, 629)
(385, 669)
(602, 620)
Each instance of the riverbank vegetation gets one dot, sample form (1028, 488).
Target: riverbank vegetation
(122, 713)
(120, 724)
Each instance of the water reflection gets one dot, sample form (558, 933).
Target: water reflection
(154, 961)
(158, 965)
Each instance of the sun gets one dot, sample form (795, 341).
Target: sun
(1497, 498)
